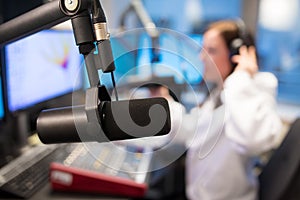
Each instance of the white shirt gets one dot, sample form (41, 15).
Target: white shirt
(225, 139)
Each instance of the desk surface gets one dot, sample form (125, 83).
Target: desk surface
(162, 183)
(171, 184)
(46, 193)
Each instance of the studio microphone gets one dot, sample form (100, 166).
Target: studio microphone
(116, 120)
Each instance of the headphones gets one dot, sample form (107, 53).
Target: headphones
(243, 38)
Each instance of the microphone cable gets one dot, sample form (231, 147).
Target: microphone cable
(114, 85)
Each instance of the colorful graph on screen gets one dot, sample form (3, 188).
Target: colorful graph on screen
(40, 67)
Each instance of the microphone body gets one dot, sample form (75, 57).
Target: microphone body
(117, 120)
(58, 125)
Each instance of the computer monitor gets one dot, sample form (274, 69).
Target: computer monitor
(41, 70)
(124, 60)
(2, 110)
(178, 58)
(124, 55)
(8, 144)
(41, 67)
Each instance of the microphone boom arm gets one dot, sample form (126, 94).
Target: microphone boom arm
(40, 18)
(150, 27)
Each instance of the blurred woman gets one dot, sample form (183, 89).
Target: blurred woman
(237, 122)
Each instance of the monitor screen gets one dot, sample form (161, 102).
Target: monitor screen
(178, 58)
(2, 97)
(124, 56)
(40, 67)
(2, 112)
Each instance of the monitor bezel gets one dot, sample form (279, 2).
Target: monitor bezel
(9, 139)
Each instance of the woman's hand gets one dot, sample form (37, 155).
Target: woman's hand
(246, 60)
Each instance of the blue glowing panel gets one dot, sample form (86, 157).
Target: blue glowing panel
(178, 58)
(1, 102)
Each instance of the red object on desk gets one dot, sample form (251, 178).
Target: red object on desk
(65, 178)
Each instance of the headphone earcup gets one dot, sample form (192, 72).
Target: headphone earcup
(244, 38)
(234, 48)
